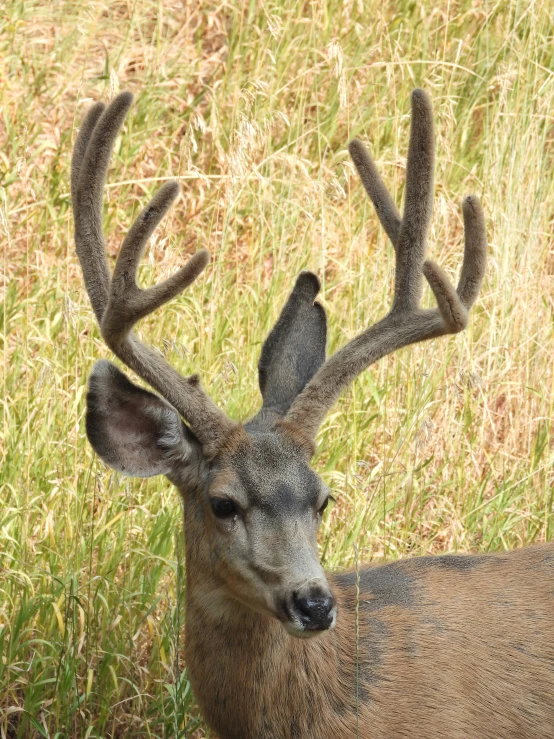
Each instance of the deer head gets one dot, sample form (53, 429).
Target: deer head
(252, 502)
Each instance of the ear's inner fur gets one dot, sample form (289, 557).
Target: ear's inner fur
(293, 351)
(131, 429)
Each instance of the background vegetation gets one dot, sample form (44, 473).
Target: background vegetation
(443, 447)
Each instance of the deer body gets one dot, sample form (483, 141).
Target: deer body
(276, 649)
(448, 647)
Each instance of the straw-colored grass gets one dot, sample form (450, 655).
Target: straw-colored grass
(446, 446)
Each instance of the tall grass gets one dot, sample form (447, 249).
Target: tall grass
(443, 447)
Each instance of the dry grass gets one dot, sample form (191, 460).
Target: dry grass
(443, 447)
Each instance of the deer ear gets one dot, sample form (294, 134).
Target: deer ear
(294, 350)
(132, 430)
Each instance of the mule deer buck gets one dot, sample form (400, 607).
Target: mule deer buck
(449, 646)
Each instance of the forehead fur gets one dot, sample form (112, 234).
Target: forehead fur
(272, 470)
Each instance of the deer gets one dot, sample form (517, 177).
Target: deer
(448, 646)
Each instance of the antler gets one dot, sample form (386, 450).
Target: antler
(118, 302)
(406, 323)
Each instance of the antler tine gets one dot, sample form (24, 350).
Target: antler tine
(128, 302)
(406, 323)
(412, 238)
(475, 251)
(118, 302)
(88, 239)
(81, 143)
(454, 304)
(384, 205)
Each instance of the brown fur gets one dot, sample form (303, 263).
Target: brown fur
(458, 648)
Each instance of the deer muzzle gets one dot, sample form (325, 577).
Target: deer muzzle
(310, 608)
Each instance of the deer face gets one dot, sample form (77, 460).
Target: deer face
(261, 511)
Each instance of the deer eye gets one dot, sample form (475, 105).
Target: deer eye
(223, 507)
(321, 511)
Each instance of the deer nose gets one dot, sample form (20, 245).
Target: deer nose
(315, 609)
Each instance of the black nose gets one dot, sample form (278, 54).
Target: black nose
(316, 611)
